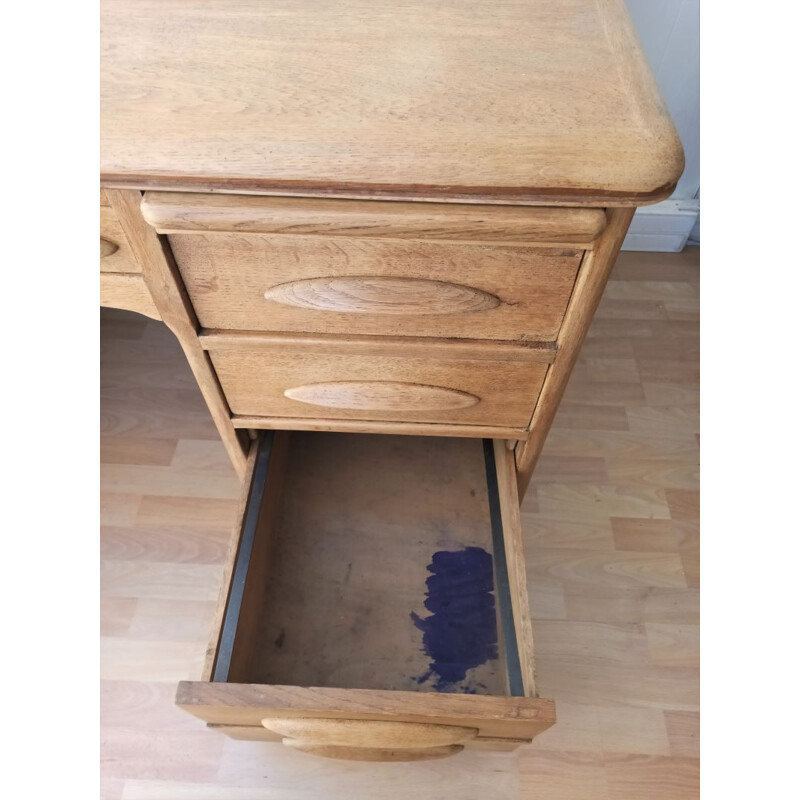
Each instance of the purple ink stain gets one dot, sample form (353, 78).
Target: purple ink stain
(461, 631)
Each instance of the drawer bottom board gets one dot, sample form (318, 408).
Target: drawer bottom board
(381, 569)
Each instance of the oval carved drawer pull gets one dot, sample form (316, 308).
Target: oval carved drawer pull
(370, 740)
(107, 248)
(375, 753)
(365, 294)
(381, 396)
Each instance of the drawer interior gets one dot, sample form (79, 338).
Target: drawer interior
(372, 562)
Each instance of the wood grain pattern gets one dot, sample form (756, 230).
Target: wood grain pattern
(259, 381)
(163, 281)
(368, 733)
(129, 292)
(383, 295)
(589, 287)
(513, 102)
(521, 291)
(381, 396)
(171, 212)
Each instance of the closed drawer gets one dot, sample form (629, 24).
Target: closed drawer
(115, 254)
(372, 286)
(331, 379)
(375, 268)
(375, 602)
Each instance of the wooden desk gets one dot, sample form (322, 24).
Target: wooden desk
(373, 218)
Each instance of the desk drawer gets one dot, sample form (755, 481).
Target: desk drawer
(371, 286)
(115, 254)
(375, 268)
(387, 381)
(375, 602)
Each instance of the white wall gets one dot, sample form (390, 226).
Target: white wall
(670, 34)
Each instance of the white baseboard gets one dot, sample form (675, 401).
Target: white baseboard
(663, 227)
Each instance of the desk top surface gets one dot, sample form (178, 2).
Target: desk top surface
(511, 101)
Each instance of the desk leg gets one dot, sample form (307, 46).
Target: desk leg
(170, 298)
(589, 286)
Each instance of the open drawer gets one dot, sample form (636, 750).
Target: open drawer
(375, 604)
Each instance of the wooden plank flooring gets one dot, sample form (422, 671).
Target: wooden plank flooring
(612, 544)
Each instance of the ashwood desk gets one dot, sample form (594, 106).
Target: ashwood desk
(392, 223)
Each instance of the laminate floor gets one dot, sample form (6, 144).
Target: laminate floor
(612, 547)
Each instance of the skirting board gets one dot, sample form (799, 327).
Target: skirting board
(663, 227)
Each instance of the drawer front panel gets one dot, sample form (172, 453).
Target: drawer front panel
(314, 643)
(289, 380)
(258, 733)
(319, 284)
(115, 254)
